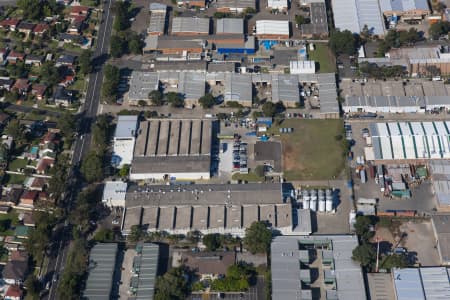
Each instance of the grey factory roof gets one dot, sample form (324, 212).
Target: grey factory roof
(381, 286)
(102, 262)
(440, 174)
(238, 87)
(319, 19)
(192, 85)
(230, 25)
(422, 283)
(157, 22)
(302, 221)
(236, 4)
(169, 164)
(157, 7)
(215, 217)
(126, 127)
(403, 5)
(204, 194)
(148, 268)
(286, 268)
(172, 138)
(285, 88)
(190, 25)
(114, 190)
(327, 92)
(441, 226)
(141, 84)
(354, 14)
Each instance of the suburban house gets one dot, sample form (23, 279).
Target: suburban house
(209, 265)
(26, 27)
(12, 197)
(15, 272)
(65, 60)
(6, 83)
(38, 90)
(35, 60)
(22, 86)
(62, 97)
(79, 11)
(41, 28)
(27, 199)
(14, 56)
(44, 165)
(10, 24)
(27, 220)
(14, 292)
(77, 25)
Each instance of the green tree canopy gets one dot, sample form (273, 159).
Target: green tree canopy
(212, 241)
(118, 45)
(173, 285)
(207, 101)
(85, 61)
(438, 29)
(92, 167)
(257, 238)
(156, 98)
(394, 261)
(365, 254)
(343, 42)
(175, 99)
(124, 171)
(363, 226)
(104, 235)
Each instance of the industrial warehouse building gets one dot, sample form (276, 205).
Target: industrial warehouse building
(239, 88)
(211, 208)
(353, 15)
(440, 179)
(272, 30)
(277, 4)
(405, 9)
(285, 89)
(421, 283)
(145, 269)
(141, 84)
(114, 193)
(235, 6)
(102, 264)
(157, 19)
(409, 141)
(441, 228)
(318, 25)
(190, 26)
(294, 257)
(230, 26)
(123, 142)
(172, 149)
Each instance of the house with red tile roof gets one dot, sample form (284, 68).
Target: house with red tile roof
(44, 165)
(38, 90)
(14, 293)
(14, 56)
(79, 11)
(27, 199)
(10, 24)
(41, 28)
(22, 86)
(26, 27)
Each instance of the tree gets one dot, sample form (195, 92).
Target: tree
(365, 33)
(212, 241)
(257, 238)
(121, 20)
(364, 254)
(15, 129)
(32, 9)
(207, 101)
(343, 42)
(92, 167)
(259, 171)
(142, 103)
(85, 62)
(112, 78)
(60, 173)
(269, 109)
(32, 286)
(104, 235)
(300, 20)
(135, 44)
(438, 29)
(172, 285)
(118, 46)
(136, 234)
(175, 99)
(394, 261)
(363, 226)
(49, 74)
(124, 171)
(156, 98)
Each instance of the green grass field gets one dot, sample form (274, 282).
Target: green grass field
(314, 151)
(325, 60)
(17, 164)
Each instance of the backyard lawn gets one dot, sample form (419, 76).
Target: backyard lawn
(13, 179)
(17, 164)
(325, 61)
(314, 151)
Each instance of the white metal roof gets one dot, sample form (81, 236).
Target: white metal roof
(126, 127)
(272, 27)
(279, 4)
(230, 25)
(302, 66)
(403, 5)
(114, 190)
(354, 14)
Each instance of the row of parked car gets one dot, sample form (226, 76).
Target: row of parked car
(240, 156)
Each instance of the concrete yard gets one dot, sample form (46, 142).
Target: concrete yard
(126, 274)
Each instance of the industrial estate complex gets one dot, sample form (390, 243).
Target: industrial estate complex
(225, 149)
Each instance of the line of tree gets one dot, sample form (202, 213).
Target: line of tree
(124, 41)
(343, 42)
(438, 29)
(379, 72)
(396, 39)
(110, 83)
(157, 98)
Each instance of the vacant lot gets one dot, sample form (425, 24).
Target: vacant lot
(314, 151)
(323, 57)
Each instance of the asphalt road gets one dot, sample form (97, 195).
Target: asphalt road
(82, 143)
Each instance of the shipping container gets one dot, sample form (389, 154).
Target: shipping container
(362, 175)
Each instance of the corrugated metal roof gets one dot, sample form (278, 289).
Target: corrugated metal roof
(126, 126)
(192, 85)
(403, 5)
(285, 87)
(141, 84)
(230, 25)
(354, 14)
(147, 271)
(190, 25)
(408, 284)
(272, 27)
(238, 87)
(102, 263)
